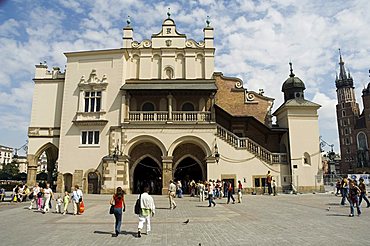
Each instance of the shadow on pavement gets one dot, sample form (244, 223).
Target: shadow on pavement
(122, 232)
(339, 215)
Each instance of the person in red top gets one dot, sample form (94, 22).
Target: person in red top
(230, 189)
(118, 200)
(240, 188)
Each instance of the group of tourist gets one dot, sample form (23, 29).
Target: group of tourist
(210, 190)
(354, 192)
(41, 196)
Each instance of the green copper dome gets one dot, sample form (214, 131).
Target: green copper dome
(293, 82)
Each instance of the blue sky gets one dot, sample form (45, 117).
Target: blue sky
(255, 40)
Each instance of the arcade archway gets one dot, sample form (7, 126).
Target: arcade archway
(147, 173)
(93, 186)
(187, 170)
(46, 157)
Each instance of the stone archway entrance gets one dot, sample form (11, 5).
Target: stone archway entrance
(93, 183)
(187, 170)
(51, 152)
(147, 173)
(189, 161)
(67, 182)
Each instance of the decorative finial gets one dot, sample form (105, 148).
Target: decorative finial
(291, 70)
(169, 13)
(128, 21)
(369, 73)
(208, 21)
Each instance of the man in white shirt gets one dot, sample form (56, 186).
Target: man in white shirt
(147, 211)
(76, 199)
(48, 194)
(172, 194)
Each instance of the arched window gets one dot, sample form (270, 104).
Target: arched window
(148, 106)
(168, 73)
(187, 107)
(306, 159)
(361, 141)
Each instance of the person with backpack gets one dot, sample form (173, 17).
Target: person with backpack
(147, 210)
(118, 201)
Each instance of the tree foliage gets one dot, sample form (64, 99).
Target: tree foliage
(9, 171)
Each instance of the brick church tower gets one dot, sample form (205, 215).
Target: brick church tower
(347, 115)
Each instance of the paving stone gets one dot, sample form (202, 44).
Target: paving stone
(259, 220)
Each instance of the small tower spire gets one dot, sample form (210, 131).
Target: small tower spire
(291, 70)
(168, 13)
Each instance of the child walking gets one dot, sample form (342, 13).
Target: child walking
(66, 200)
(58, 205)
(39, 200)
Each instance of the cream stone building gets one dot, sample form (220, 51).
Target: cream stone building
(6, 155)
(156, 110)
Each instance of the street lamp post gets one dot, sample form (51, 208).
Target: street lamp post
(217, 155)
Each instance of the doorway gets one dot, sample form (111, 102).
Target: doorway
(186, 171)
(93, 183)
(147, 173)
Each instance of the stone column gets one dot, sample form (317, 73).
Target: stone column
(60, 183)
(123, 107)
(31, 170)
(213, 113)
(128, 97)
(77, 178)
(125, 160)
(169, 98)
(166, 173)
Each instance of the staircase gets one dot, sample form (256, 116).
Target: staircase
(253, 147)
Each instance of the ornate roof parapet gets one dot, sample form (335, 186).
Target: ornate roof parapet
(190, 43)
(144, 44)
(42, 72)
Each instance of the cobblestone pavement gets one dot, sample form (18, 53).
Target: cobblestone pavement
(310, 219)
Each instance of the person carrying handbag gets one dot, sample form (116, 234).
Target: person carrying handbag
(118, 201)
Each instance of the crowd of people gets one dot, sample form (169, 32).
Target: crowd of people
(205, 190)
(41, 197)
(354, 192)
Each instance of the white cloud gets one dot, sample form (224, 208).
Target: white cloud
(9, 28)
(254, 40)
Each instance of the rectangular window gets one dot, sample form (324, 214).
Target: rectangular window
(259, 181)
(96, 137)
(90, 137)
(84, 137)
(92, 101)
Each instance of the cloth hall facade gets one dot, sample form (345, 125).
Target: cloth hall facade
(156, 110)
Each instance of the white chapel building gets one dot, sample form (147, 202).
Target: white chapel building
(156, 110)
